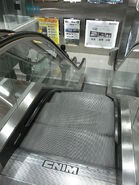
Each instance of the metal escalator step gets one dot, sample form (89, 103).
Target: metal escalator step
(79, 145)
(35, 169)
(71, 108)
(87, 100)
(65, 116)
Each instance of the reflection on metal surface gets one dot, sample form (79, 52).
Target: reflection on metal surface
(17, 92)
(6, 101)
(4, 91)
(136, 50)
(6, 131)
(135, 131)
(137, 5)
(29, 99)
(128, 163)
(16, 117)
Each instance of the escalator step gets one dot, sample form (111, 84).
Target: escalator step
(65, 116)
(75, 130)
(95, 102)
(77, 144)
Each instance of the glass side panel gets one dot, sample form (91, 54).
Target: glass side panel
(126, 79)
(7, 98)
(36, 60)
(27, 62)
(13, 14)
(12, 22)
(11, 94)
(11, 88)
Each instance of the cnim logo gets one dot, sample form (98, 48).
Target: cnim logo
(61, 167)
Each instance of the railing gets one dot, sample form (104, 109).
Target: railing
(20, 35)
(29, 58)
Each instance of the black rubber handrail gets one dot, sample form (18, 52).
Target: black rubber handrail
(25, 34)
(6, 32)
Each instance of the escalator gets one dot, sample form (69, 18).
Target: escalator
(57, 134)
(69, 143)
